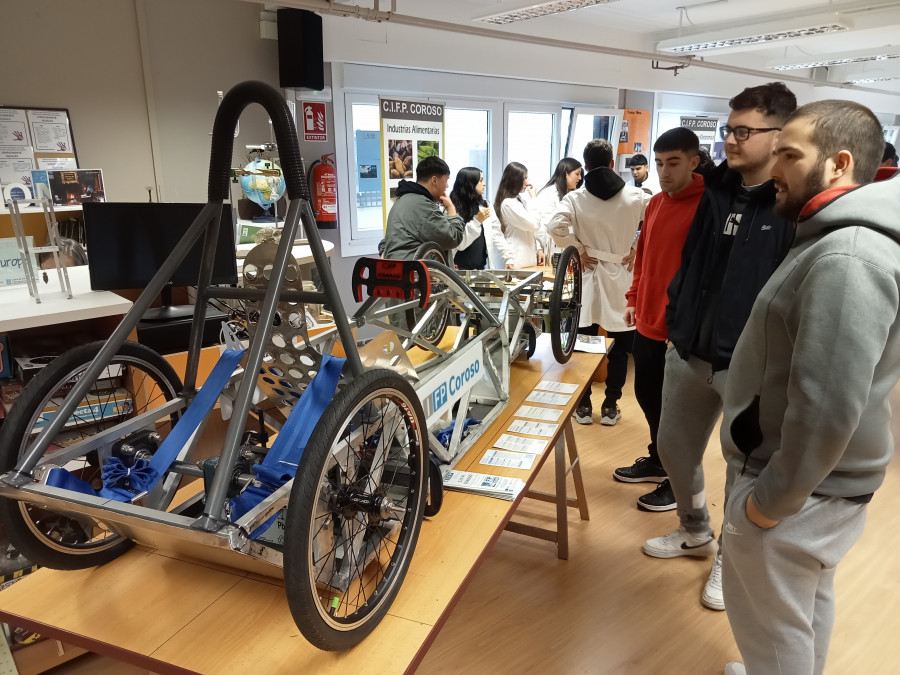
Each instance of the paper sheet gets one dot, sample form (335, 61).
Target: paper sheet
(562, 387)
(519, 444)
(536, 413)
(591, 344)
(510, 460)
(548, 398)
(533, 428)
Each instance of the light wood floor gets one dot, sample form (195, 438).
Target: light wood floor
(610, 609)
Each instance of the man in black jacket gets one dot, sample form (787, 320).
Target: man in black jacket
(735, 243)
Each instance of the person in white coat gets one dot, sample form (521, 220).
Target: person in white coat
(601, 220)
(567, 177)
(483, 245)
(519, 226)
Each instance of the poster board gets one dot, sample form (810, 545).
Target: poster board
(410, 131)
(33, 139)
(634, 132)
(707, 130)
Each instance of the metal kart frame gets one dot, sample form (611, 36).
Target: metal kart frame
(497, 306)
(364, 468)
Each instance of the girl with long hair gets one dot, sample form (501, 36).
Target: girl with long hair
(517, 224)
(567, 177)
(483, 243)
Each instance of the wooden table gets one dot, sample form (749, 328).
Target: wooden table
(170, 615)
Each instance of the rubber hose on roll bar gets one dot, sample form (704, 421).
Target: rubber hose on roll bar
(238, 98)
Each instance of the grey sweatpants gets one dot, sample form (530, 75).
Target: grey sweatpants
(691, 406)
(778, 583)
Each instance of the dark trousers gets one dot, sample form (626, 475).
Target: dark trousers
(616, 366)
(649, 371)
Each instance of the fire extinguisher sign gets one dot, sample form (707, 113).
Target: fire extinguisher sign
(314, 121)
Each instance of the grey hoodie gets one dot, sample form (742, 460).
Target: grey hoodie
(415, 219)
(806, 405)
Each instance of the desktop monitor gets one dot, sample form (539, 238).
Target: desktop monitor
(127, 242)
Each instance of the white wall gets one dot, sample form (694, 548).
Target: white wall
(85, 55)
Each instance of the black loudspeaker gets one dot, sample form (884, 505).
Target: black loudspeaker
(300, 57)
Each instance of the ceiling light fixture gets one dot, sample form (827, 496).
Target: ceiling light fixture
(838, 61)
(869, 80)
(771, 31)
(539, 9)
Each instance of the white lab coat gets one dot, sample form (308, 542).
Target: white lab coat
(521, 230)
(497, 245)
(604, 229)
(543, 207)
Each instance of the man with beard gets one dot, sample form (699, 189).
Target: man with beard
(734, 244)
(806, 412)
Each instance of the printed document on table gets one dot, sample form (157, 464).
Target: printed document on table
(548, 398)
(510, 460)
(591, 344)
(501, 487)
(535, 413)
(561, 387)
(519, 444)
(533, 428)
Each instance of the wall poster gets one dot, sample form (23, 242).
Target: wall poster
(634, 133)
(33, 138)
(707, 130)
(410, 132)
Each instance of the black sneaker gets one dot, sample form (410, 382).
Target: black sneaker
(661, 499)
(610, 415)
(644, 470)
(584, 414)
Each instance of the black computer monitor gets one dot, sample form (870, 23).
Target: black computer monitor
(128, 242)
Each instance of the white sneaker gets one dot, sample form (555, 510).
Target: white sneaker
(735, 668)
(712, 592)
(680, 542)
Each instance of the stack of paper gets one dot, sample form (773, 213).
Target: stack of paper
(509, 460)
(561, 387)
(500, 487)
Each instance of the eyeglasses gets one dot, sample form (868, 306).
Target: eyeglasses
(743, 133)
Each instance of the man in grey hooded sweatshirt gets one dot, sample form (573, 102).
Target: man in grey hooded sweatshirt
(806, 429)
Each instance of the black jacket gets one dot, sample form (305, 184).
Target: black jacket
(760, 245)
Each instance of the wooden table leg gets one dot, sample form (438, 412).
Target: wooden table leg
(562, 517)
(575, 468)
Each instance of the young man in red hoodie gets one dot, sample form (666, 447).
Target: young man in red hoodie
(666, 224)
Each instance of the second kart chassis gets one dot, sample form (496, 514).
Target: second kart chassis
(341, 518)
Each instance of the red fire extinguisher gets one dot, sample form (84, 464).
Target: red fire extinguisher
(323, 188)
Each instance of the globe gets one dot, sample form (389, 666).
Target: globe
(263, 190)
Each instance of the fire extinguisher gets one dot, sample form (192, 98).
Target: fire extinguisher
(323, 188)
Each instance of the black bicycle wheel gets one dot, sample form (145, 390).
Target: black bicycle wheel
(565, 304)
(355, 510)
(136, 380)
(436, 327)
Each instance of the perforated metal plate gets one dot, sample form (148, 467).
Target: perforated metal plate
(289, 362)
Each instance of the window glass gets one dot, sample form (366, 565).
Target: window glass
(466, 140)
(367, 153)
(530, 142)
(589, 127)
(566, 121)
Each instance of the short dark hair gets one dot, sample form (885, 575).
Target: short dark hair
(846, 125)
(431, 166)
(678, 139)
(773, 99)
(598, 152)
(890, 152)
(637, 160)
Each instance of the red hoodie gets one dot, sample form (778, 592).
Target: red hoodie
(666, 224)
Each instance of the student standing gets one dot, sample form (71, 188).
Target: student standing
(483, 244)
(666, 223)
(518, 225)
(601, 219)
(735, 243)
(416, 218)
(807, 423)
(567, 177)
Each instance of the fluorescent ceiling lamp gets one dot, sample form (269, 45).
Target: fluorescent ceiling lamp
(870, 80)
(539, 9)
(838, 60)
(753, 34)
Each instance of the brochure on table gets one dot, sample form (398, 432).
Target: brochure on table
(32, 139)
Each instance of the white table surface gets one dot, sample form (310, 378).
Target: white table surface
(18, 310)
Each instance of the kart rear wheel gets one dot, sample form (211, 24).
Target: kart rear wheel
(136, 380)
(436, 327)
(355, 510)
(565, 305)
